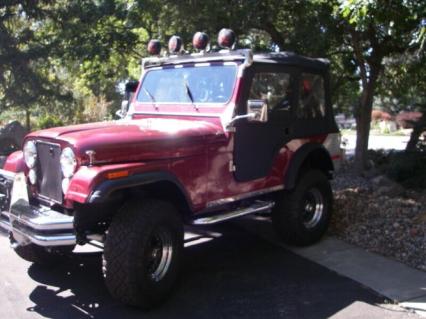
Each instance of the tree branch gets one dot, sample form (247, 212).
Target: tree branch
(276, 36)
(359, 57)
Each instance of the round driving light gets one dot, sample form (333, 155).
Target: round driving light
(65, 185)
(30, 154)
(200, 40)
(226, 38)
(68, 162)
(154, 47)
(175, 44)
(32, 176)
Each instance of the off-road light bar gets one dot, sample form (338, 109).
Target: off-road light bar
(175, 44)
(154, 47)
(200, 40)
(226, 38)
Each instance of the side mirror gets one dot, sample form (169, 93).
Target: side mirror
(258, 109)
(129, 91)
(121, 113)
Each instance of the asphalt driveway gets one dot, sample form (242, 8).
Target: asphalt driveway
(228, 273)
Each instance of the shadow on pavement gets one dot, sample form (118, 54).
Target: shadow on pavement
(235, 275)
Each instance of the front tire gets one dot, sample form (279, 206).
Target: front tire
(303, 215)
(142, 253)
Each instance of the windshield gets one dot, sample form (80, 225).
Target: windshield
(188, 84)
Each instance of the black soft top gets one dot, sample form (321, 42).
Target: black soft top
(290, 58)
(286, 58)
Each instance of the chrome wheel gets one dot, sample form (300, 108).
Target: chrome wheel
(159, 254)
(313, 208)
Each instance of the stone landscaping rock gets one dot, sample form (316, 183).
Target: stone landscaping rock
(390, 190)
(381, 180)
(381, 216)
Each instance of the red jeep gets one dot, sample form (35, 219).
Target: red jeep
(207, 137)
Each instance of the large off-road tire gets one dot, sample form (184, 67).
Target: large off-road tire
(41, 256)
(302, 216)
(142, 253)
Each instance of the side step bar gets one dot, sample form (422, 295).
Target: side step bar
(257, 207)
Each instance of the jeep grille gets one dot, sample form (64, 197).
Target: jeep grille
(49, 174)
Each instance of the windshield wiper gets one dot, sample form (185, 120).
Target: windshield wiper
(154, 103)
(189, 93)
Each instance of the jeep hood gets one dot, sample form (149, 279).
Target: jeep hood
(136, 140)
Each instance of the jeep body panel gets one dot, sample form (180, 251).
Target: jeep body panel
(15, 163)
(301, 154)
(128, 141)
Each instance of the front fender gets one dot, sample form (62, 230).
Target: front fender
(87, 178)
(15, 162)
(96, 183)
(102, 191)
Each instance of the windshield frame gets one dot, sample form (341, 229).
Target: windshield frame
(196, 104)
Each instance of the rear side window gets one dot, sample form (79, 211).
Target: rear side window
(311, 96)
(274, 88)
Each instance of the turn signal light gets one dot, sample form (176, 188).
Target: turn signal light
(117, 174)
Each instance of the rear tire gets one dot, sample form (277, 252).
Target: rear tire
(41, 256)
(142, 253)
(302, 216)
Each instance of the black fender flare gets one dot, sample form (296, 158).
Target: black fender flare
(102, 191)
(324, 162)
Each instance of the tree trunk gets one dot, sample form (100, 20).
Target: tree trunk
(276, 36)
(418, 128)
(363, 121)
(369, 70)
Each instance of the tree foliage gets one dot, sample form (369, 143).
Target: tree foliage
(25, 68)
(66, 58)
(373, 31)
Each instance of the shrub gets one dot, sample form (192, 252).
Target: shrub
(379, 157)
(49, 121)
(406, 119)
(407, 168)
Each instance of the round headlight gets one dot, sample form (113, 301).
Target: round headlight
(32, 176)
(65, 185)
(30, 154)
(68, 162)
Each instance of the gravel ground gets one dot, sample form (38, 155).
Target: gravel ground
(381, 216)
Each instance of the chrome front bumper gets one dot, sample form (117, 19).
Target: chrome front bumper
(33, 224)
